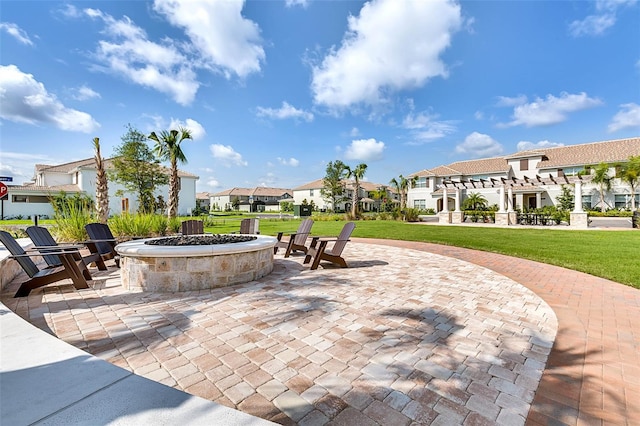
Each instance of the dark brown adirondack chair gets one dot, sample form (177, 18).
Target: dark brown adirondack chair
(43, 240)
(319, 251)
(71, 267)
(102, 241)
(296, 241)
(250, 226)
(192, 227)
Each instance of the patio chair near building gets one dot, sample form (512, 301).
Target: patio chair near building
(295, 241)
(319, 249)
(102, 241)
(43, 241)
(71, 267)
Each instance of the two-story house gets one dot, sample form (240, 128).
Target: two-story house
(79, 177)
(258, 199)
(369, 201)
(531, 178)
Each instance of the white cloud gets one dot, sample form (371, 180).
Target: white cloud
(529, 146)
(628, 116)
(292, 3)
(425, 128)
(289, 162)
(227, 155)
(25, 100)
(478, 115)
(355, 132)
(551, 110)
(601, 21)
(284, 112)
(196, 129)
(478, 145)
(20, 166)
(84, 93)
(131, 55)
(227, 42)
(16, 32)
(392, 45)
(213, 183)
(364, 150)
(506, 101)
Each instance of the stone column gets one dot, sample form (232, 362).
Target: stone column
(578, 217)
(538, 199)
(502, 217)
(444, 216)
(457, 216)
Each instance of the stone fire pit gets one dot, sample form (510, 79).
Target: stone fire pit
(195, 262)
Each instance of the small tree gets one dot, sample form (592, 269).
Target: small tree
(357, 173)
(402, 184)
(333, 186)
(631, 175)
(168, 148)
(566, 198)
(102, 188)
(602, 178)
(137, 169)
(475, 201)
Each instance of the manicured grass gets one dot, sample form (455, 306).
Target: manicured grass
(614, 255)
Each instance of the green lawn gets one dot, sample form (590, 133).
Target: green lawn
(614, 255)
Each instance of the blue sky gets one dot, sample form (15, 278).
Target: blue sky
(274, 90)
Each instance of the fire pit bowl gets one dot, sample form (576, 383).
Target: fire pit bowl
(169, 268)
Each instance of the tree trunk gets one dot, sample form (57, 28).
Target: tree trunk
(173, 190)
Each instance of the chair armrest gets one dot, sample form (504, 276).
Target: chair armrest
(60, 247)
(46, 252)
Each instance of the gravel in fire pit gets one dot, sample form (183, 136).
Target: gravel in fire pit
(200, 240)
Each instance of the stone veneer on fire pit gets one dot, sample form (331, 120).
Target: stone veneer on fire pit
(162, 268)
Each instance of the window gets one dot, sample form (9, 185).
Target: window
(586, 200)
(623, 201)
(311, 192)
(420, 204)
(422, 182)
(524, 164)
(19, 198)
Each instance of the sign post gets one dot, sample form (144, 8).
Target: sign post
(4, 193)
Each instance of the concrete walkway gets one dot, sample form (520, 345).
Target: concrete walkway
(404, 336)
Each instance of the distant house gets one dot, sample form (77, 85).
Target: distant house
(312, 192)
(203, 201)
(79, 177)
(532, 178)
(258, 199)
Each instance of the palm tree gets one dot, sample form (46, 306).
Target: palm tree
(102, 188)
(168, 148)
(631, 175)
(379, 195)
(475, 201)
(402, 185)
(603, 180)
(356, 174)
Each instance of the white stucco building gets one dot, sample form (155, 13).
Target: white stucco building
(258, 199)
(312, 192)
(79, 177)
(527, 179)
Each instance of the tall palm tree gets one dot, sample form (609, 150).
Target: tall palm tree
(379, 195)
(357, 173)
(102, 187)
(402, 185)
(603, 180)
(631, 175)
(168, 148)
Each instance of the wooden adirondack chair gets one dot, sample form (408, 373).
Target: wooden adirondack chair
(296, 241)
(43, 240)
(102, 241)
(192, 227)
(319, 251)
(250, 226)
(71, 267)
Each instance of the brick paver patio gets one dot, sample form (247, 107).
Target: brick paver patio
(404, 336)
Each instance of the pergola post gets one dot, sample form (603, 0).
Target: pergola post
(444, 216)
(502, 217)
(578, 217)
(457, 216)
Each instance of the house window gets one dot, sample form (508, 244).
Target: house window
(524, 164)
(18, 198)
(422, 182)
(420, 204)
(586, 200)
(311, 192)
(125, 205)
(623, 201)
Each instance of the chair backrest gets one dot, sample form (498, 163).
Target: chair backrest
(15, 249)
(42, 238)
(192, 227)
(250, 226)
(100, 231)
(303, 232)
(343, 238)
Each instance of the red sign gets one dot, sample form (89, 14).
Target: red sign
(4, 191)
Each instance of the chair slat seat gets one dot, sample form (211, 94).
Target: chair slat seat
(296, 241)
(320, 250)
(102, 242)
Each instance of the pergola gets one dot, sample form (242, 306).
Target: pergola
(508, 185)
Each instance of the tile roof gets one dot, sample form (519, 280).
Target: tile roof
(53, 190)
(89, 163)
(612, 151)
